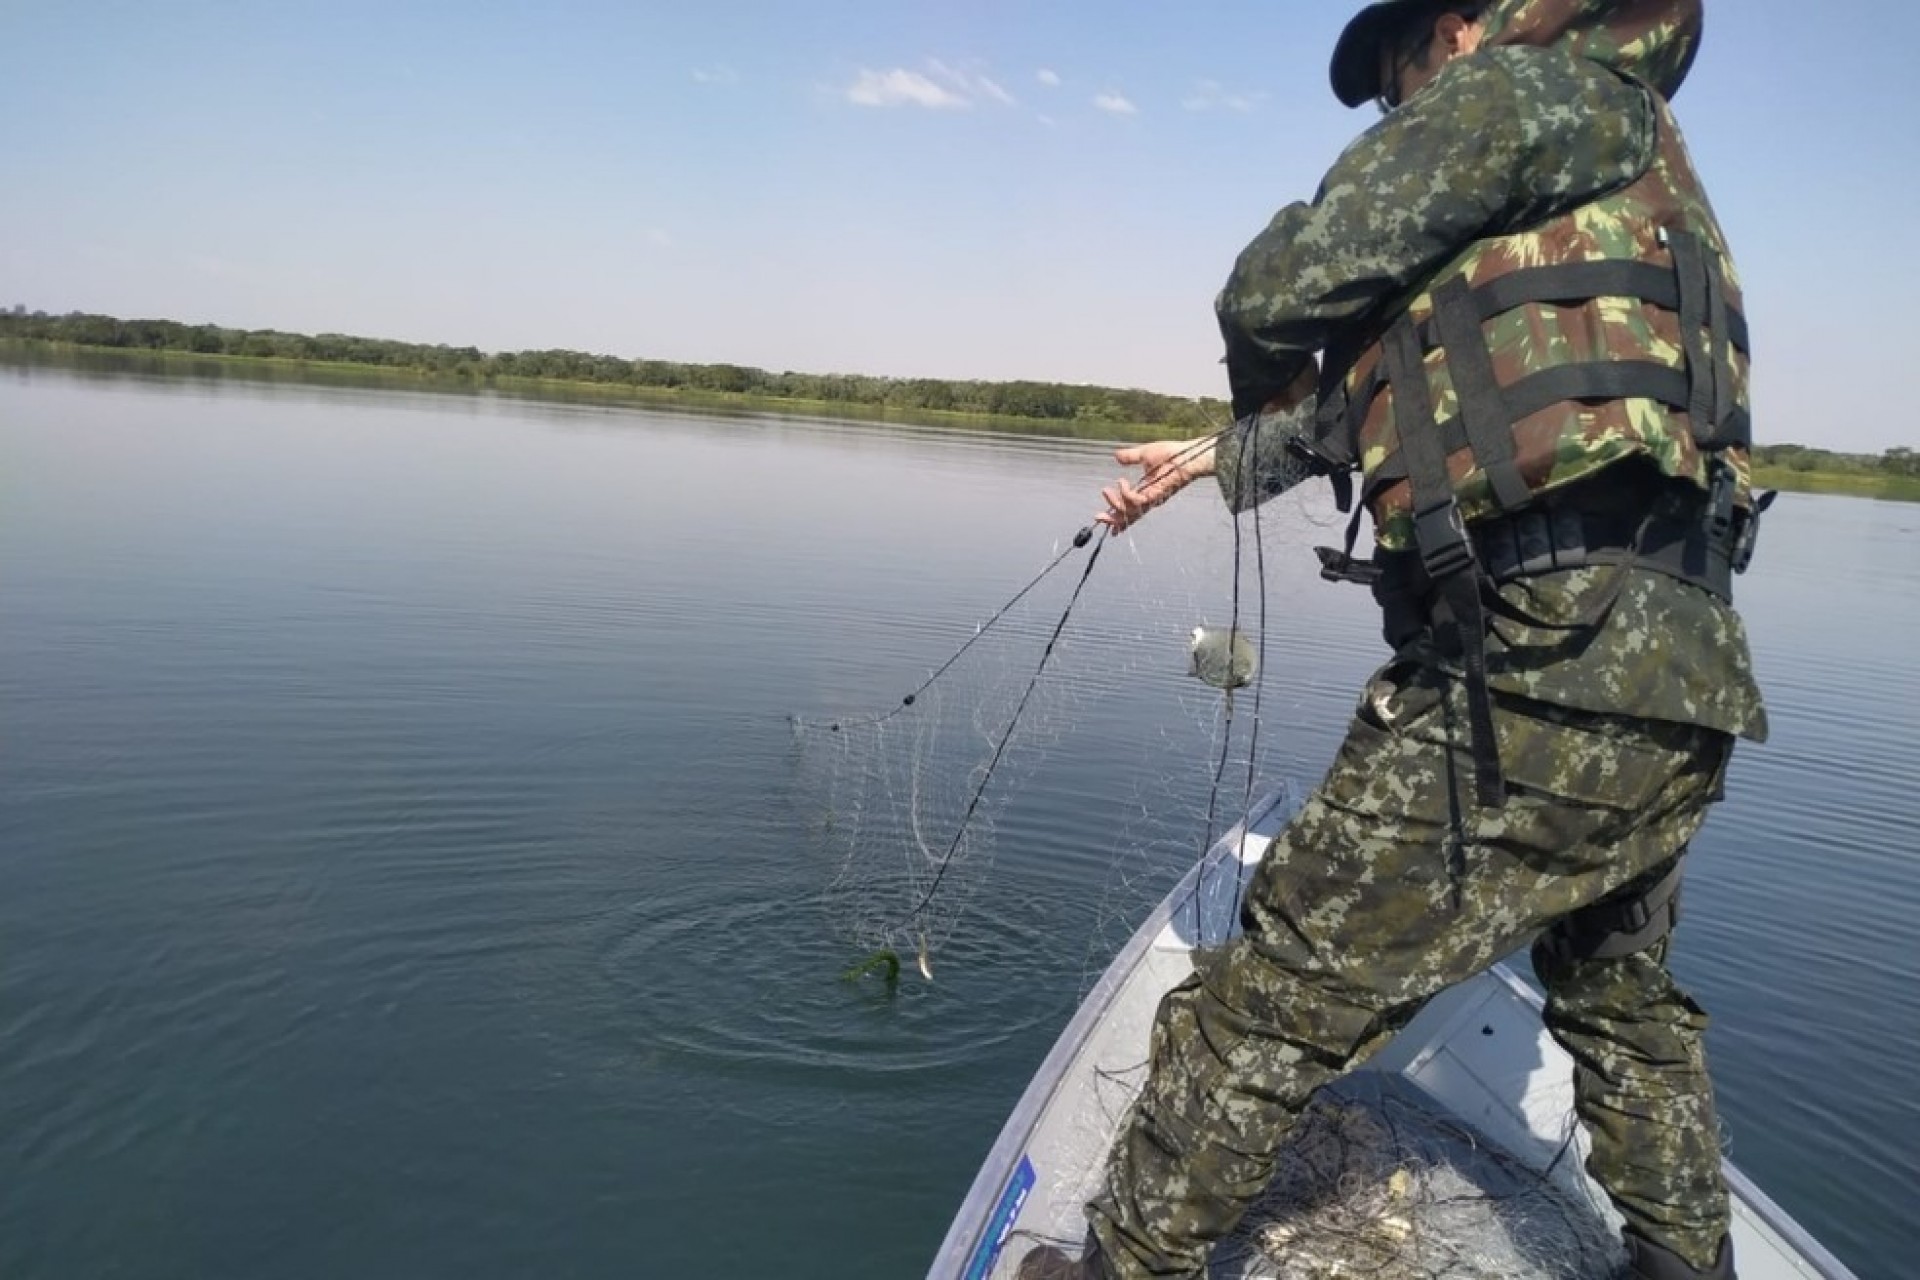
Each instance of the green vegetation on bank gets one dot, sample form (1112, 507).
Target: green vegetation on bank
(1050, 408)
(1894, 474)
(1076, 410)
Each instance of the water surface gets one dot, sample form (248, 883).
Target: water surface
(402, 855)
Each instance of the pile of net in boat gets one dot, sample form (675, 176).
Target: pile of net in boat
(1375, 1183)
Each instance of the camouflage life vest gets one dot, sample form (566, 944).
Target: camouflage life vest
(1548, 357)
(1538, 359)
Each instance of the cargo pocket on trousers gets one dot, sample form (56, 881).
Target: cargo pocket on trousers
(1610, 762)
(1395, 730)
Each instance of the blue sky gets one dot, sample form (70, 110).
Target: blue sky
(982, 189)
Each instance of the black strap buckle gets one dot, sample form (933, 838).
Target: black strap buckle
(1340, 566)
(1620, 926)
(1441, 537)
(1749, 535)
(1722, 484)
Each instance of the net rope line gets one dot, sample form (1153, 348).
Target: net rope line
(1248, 446)
(986, 777)
(1080, 540)
(1247, 443)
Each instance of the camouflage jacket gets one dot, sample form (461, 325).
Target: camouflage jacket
(1503, 142)
(1500, 141)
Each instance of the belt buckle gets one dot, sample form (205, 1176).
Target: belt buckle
(1722, 483)
(1441, 537)
(1748, 536)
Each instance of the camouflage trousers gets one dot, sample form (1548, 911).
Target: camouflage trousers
(1364, 908)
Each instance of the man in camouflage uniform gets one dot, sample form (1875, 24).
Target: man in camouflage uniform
(1535, 758)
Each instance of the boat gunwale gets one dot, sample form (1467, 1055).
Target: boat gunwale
(983, 1197)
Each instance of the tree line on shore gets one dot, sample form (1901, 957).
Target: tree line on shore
(1046, 401)
(1798, 457)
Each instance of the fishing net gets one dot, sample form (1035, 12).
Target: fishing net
(1065, 727)
(1374, 1182)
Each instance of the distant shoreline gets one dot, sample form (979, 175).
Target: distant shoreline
(575, 391)
(321, 372)
(1844, 483)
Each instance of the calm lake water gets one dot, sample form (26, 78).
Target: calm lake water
(404, 852)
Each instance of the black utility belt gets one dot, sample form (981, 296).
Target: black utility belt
(1674, 538)
(1672, 529)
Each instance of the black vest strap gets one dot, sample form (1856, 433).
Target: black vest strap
(1576, 282)
(1695, 288)
(1689, 264)
(1601, 380)
(1718, 317)
(1459, 618)
(1483, 410)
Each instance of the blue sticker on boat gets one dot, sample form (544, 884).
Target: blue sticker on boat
(1000, 1225)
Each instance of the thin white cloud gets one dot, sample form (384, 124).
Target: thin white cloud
(902, 88)
(1048, 77)
(715, 75)
(969, 83)
(1115, 104)
(942, 86)
(953, 76)
(658, 237)
(991, 89)
(1211, 95)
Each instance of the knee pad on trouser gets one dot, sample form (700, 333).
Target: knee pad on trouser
(1624, 924)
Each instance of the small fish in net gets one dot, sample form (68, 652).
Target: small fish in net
(1222, 657)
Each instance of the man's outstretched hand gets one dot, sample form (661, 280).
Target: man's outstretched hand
(1166, 467)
